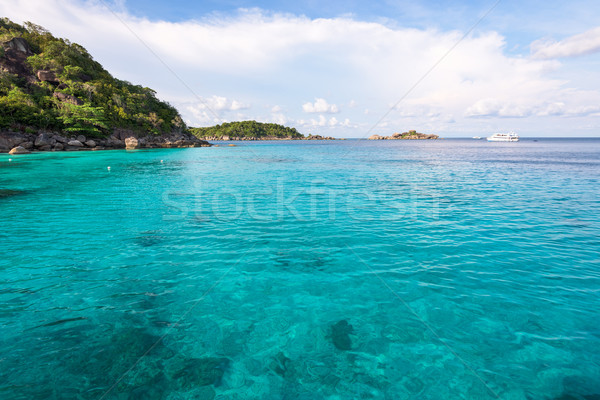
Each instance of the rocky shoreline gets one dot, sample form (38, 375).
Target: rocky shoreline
(23, 143)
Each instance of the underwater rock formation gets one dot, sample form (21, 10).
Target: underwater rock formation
(201, 371)
(9, 192)
(340, 335)
(281, 365)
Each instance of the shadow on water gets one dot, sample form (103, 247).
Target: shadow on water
(149, 238)
(579, 388)
(124, 363)
(6, 193)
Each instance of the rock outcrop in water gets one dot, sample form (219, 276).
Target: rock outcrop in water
(410, 135)
(19, 150)
(319, 137)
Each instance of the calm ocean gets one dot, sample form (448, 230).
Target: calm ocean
(449, 269)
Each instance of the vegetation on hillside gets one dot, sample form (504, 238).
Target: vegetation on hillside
(247, 129)
(57, 85)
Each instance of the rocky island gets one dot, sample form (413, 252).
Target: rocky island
(252, 130)
(410, 135)
(54, 96)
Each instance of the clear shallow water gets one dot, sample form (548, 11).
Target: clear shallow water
(453, 269)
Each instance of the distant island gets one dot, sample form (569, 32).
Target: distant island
(410, 135)
(252, 130)
(54, 96)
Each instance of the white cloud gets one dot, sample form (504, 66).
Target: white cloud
(200, 117)
(322, 121)
(325, 122)
(219, 103)
(495, 108)
(498, 108)
(279, 118)
(236, 105)
(320, 106)
(576, 45)
(557, 108)
(267, 58)
(212, 110)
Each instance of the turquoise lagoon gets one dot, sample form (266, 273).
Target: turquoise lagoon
(451, 269)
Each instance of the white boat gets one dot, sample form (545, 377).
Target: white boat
(503, 137)
(476, 137)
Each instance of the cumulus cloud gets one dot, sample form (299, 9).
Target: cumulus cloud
(279, 118)
(219, 103)
(560, 109)
(584, 43)
(320, 106)
(323, 121)
(212, 109)
(495, 108)
(200, 116)
(498, 108)
(552, 109)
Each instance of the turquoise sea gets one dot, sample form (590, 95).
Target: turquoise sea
(449, 269)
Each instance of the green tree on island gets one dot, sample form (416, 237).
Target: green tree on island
(54, 84)
(247, 129)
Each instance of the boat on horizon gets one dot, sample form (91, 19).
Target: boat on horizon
(503, 137)
(476, 137)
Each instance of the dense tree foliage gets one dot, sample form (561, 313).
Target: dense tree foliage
(82, 96)
(247, 129)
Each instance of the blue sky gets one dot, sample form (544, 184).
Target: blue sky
(522, 21)
(351, 68)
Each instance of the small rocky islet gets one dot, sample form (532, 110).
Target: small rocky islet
(410, 135)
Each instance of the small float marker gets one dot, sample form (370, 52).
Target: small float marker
(108, 168)
(10, 159)
(161, 161)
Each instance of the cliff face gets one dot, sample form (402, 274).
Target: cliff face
(54, 87)
(410, 135)
(16, 51)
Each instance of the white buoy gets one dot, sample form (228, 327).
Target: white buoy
(10, 159)
(108, 168)
(161, 161)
